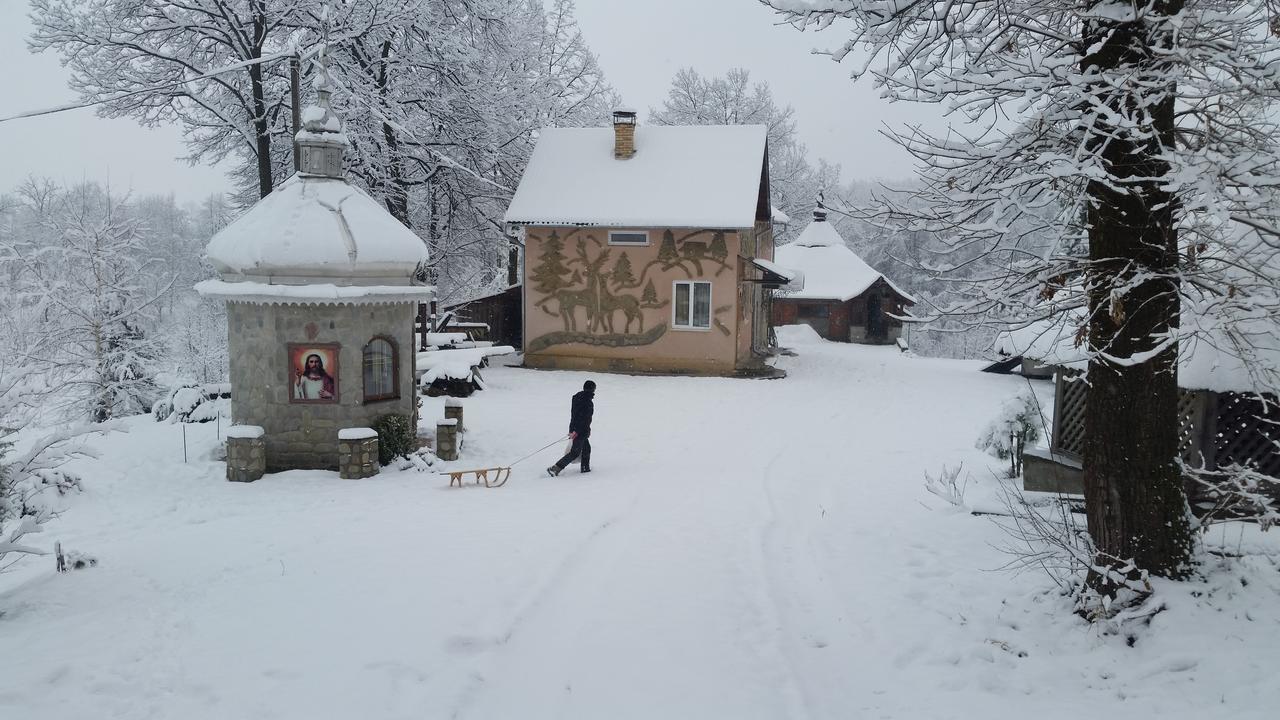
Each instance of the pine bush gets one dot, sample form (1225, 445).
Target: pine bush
(397, 437)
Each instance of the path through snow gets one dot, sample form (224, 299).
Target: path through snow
(745, 549)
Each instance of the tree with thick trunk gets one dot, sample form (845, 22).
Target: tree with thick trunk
(1136, 506)
(1107, 165)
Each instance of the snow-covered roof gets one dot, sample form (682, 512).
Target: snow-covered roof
(317, 229)
(435, 365)
(794, 278)
(680, 176)
(831, 270)
(1209, 352)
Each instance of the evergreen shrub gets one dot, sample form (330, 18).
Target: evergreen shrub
(397, 437)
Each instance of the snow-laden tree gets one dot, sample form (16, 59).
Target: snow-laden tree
(443, 112)
(441, 98)
(82, 294)
(1118, 157)
(33, 477)
(148, 53)
(32, 472)
(794, 183)
(149, 47)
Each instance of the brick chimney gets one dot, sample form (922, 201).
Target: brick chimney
(624, 133)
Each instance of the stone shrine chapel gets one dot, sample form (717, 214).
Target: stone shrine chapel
(319, 282)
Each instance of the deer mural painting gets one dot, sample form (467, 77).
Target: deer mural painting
(614, 300)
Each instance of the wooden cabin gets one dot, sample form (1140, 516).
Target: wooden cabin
(842, 298)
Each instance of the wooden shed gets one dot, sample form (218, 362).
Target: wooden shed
(501, 312)
(1225, 417)
(843, 298)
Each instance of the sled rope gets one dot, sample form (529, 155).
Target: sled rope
(500, 474)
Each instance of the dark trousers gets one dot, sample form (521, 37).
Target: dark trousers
(581, 446)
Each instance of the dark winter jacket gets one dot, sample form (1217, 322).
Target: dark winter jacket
(580, 414)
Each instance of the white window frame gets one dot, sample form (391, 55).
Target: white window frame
(675, 322)
(645, 233)
(391, 369)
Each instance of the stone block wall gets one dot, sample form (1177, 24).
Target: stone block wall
(358, 457)
(453, 410)
(447, 439)
(304, 435)
(246, 458)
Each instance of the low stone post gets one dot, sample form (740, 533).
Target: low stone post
(246, 453)
(357, 453)
(447, 439)
(453, 409)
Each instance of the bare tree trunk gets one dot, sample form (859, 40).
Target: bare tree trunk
(398, 193)
(1136, 506)
(261, 128)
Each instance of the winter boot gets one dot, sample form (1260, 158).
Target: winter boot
(553, 471)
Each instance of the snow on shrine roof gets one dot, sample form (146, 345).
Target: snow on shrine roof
(313, 293)
(315, 228)
(831, 270)
(680, 176)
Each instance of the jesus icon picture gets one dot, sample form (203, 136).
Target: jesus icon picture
(313, 373)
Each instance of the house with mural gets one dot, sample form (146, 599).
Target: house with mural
(843, 298)
(647, 249)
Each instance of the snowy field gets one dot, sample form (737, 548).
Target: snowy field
(744, 549)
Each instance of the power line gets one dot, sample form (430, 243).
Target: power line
(211, 74)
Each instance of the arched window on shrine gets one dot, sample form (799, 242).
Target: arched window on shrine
(381, 367)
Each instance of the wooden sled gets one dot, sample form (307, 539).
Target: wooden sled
(500, 476)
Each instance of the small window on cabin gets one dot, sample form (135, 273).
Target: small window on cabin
(380, 370)
(628, 237)
(813, 311)
(692, 307)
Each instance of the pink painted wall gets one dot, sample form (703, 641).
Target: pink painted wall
(582, 309)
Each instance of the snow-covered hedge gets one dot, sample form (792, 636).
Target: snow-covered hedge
(194, 403)
(1017, 424)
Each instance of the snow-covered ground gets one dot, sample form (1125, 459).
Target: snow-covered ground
(744, 549)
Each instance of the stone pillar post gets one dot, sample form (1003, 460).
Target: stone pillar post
(453, 409)
(246, 453)
(357, 453)
(447, 439)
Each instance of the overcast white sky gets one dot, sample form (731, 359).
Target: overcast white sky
(641, 45)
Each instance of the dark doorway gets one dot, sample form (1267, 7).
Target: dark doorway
(816, 316)
(876, 327)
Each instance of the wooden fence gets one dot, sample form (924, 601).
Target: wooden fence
(1215, 429)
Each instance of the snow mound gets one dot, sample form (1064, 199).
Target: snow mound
(798, 335)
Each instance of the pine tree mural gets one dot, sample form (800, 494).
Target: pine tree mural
(667, 253)
(719, 250)
(650, 295)
(548, 277)
(622, 275)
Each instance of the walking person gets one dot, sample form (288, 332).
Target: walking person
(580, 413)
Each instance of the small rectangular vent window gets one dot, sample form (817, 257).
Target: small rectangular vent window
(628, 237)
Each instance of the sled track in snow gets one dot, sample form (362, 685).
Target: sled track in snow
(551, 584)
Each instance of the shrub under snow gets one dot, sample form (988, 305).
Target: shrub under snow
(1017, 424)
